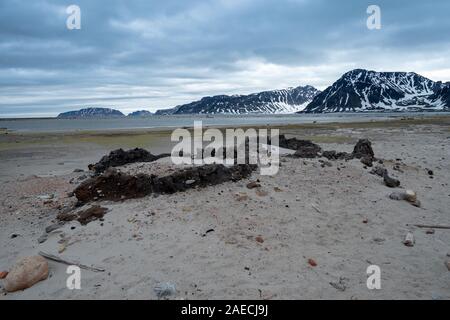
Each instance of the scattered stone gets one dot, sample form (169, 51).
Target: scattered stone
(312, 262)
(259, 239)
(339, 285)
(397, 195)
(334, 155)
(43, 238)
(14, 235)
(53, 227)
(261, 193)
(379, 171)
(84, 217)
(325, 163)
(409, 240)
(430, 231)
(253, 184)
(447, 264)
(367, 161)
(417, 204)
(390, 182)
(83, 177)
(276, 189)
(164, 289)
(26, 273)
(430, 172)
(410, 196)
(91, 214)
(120, 157)
(46, 196)
(78, 170)
(241, 197)
(306, 147)
(189, 182)
(379, 240)
(3, 274)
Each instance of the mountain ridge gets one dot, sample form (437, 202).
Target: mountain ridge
(367, 90)
(91, 112)
(281, 101)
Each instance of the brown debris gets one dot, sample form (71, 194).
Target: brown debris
(116, 186)
(84, 217)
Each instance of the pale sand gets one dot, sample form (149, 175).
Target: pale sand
(310, 212)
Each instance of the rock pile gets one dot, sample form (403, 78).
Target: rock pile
(120, 157)
(116, 186)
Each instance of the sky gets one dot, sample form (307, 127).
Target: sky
(144, 54)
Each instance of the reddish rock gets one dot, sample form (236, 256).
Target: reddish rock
(312, 262)
(26, 273)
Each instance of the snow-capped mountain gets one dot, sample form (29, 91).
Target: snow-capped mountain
(140, 113)
(91, 113)
(268, 102)
(363, 90)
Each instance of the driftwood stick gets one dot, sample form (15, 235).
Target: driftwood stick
(430, 226)
(58, 259)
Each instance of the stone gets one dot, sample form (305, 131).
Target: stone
(53, 227)
(447, 264)
(259, 239)
(379, 171)
(26, 273)
(3, 274)
(253, 184)
(312, 262)
(261, 193)
(366, 160)
(409, 240)
(43, 238)
(410, 196)
(363, 148)
(165, 289)
(390, 182)
(397, 195)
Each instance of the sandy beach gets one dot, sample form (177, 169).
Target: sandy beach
(228, 241)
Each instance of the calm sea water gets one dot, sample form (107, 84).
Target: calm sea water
(70, 125)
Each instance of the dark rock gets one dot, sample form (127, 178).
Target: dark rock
(379, 171)
(253, 185)
(43, 238)
(120, 157)
(304, 148)
(334, 155)
(390, 182)
(363, 148)
(53, 227)
(366, 160)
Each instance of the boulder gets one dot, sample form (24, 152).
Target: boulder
(363, 148)
(390, 182)
(26, 273)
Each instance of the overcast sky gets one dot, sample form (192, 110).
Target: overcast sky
(152, 55)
